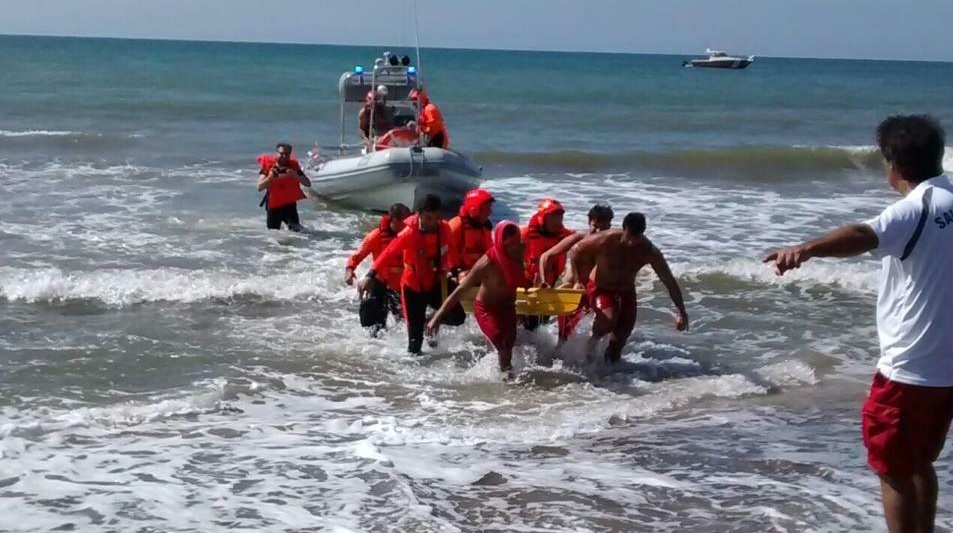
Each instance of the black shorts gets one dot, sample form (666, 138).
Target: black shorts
(436, 141)
(287, 214)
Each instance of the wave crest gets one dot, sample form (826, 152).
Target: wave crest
(763, 163)
(127, 287)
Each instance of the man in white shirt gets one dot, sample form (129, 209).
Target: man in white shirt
(907, 414)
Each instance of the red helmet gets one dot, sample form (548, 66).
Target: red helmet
(546, 206)
(549, 205)
(474, 200)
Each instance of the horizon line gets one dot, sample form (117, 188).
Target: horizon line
(458, 48)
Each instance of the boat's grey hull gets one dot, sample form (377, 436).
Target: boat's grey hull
(376, 181)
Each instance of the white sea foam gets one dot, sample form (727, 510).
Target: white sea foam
(861, 277)
(125, 287)
(325, 428)
(37, 133)
(266, 461)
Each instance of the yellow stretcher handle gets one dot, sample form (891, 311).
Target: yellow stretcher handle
(537, 302)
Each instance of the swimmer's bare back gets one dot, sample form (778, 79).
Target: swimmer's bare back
(617, 261)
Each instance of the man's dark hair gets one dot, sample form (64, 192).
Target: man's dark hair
(429, 204)
(634, 223)
(286, 146)
(397, 209)
(509, 231)
(601, 213)
(913, 145)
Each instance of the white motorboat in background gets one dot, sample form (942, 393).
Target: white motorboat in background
(719, 59)
(396, 167)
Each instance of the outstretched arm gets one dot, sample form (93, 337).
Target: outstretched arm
(846, 241)
(395, 247)
(662, 270)
(368, 244)
(471, 280)
(563, 247)
(584, 256)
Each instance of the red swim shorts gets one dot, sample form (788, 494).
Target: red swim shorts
(623, 303)
(905, 426)
(497, 323)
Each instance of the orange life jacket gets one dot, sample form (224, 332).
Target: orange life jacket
(374, 244)
(470, 240)
(284, 189)
(425, 256)
(431, 123)
(537, 243)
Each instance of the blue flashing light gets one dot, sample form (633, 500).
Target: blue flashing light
(358, 69)
(412, 71)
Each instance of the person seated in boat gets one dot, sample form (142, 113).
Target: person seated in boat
(384, 293)
(498, 274)
(431, 120)
(472, 230)
(610, 260)
(375, 106)
(281, 177)
(544, 231)
(600, 219)
(428, 258)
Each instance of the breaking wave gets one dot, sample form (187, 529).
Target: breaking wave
(766, 163)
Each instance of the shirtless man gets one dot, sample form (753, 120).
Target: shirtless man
(600, 219)
(498, 274)
(617, 256)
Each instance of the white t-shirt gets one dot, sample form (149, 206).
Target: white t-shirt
(915, 303)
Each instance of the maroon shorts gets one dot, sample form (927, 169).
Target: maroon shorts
(905, 426)
(497, 323)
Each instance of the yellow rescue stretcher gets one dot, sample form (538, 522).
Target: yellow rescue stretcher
(536, 302)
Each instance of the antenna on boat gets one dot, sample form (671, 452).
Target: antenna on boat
(420, 76)
(417, 43)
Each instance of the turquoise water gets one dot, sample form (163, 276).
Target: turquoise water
(167, 364)
(226, 100)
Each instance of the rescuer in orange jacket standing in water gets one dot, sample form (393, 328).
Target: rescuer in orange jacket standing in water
(428, 257)
(544, 231)
(384, 293)
(281, 176)
(472, 230)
